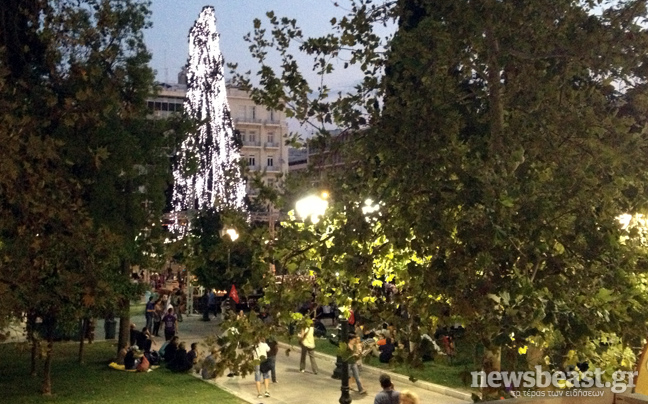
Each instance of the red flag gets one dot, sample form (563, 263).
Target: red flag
(234, 294)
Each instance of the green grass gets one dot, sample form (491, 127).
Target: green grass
(440, 372)
(137, 309)
(95, 382)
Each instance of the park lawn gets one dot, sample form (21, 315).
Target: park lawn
(440, 372)
(95, 382)
(137, 309)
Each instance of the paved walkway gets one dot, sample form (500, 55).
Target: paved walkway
(294, 387)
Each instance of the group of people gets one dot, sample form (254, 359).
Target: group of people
(140, 355)
(176, 356)
(156, 313)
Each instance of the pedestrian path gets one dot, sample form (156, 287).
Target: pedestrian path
(294, 387)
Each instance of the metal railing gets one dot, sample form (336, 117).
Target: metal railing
(248, 120)
(252, 144)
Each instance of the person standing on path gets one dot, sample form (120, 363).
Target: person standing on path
(157, 317)
(150, 311)
(307, 342)
(272, 357)
(355, 345)
(261, 352)
(388, 395)
(170, 325)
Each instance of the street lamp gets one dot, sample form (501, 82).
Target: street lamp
(314, 206)
(233, 235)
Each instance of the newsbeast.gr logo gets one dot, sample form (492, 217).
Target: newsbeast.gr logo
(621, 380)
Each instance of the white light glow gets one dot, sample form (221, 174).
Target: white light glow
(369, 207)
(311, 206)
(210, 153)
(232, 233)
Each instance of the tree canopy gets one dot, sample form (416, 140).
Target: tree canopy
(502, 141)
(83, 169)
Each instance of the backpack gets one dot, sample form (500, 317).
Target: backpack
(265, 366)
(320, 329)
(154, 358)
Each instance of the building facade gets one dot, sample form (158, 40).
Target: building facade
(262, 131)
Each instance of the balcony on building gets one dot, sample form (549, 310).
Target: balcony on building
(272, 145)
(273, 169)
(251, 144)
(254, 121)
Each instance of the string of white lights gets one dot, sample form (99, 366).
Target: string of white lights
(207, 173)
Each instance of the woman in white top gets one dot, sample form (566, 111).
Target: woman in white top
(261, 354)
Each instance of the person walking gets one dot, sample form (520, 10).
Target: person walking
(262, 370)
(355, 345)
(307, 342)
(272, 357)
(388, 395)
(170, 325)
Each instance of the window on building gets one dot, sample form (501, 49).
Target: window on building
(270, 137)
(252, 114)
(243, 138)
(158, 105)
(252, 136)
(271, 114)
(271, 182)
(251, 161)
(165, 106)
(270, 161)
(151, 105)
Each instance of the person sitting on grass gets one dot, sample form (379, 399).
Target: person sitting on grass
(131, 360)
(208, 369)
(192, 356)
(386, 351)
(171, 349)
(144, 364)
(181, 362)
(143, 340)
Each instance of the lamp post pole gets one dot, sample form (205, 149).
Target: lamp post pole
(342, 365)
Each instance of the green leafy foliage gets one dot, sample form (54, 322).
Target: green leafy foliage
(84, 170)
(503, 141)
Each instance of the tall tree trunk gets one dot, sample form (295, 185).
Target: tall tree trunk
(124, 319)
(31, 337)
(82, 333)
(47, 368)
(492, 363)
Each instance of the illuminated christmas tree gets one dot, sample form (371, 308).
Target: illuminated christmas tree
(207, 172)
